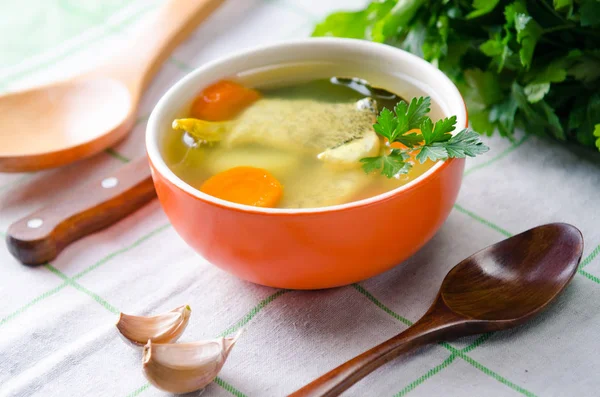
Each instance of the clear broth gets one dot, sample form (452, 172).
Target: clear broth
(307, 181)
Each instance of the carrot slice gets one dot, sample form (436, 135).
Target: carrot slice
(222, 101)
(398, 145)
(245, 185)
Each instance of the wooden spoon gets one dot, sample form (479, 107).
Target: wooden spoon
(57, 124)
(497, 288)
(40, 236)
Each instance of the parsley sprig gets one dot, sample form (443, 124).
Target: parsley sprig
(411, 126)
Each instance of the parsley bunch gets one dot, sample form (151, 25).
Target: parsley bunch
(411, 127)
(533, 64)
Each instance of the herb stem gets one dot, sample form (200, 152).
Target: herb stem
(558, 28)
(552, 10)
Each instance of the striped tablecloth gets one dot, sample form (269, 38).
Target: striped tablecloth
(56, 322)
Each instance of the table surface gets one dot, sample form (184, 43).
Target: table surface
(57, 336)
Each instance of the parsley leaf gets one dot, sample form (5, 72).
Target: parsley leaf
(548, 48)
(408, 117)
(465, 143)
(482, 7)
(434, 153)
(386, 124)
(434, 142)
(409, 140)
(390, 165)
(440, 132)
(417, 112)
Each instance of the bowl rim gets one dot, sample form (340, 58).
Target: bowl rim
(158, 164)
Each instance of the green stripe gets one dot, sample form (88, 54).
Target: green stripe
(139, 390)
(67, 6)
(72, 282)
(477, 342)
(141, 119)
(494, 375)
(12, 78)
(380, 305)
(503, 154)
(112, 152)
(589, 276)
(491, 225)
(392, 313)
(427, 375)
(253, 312)
(229, 387)
(483, 221)
(180, 64)
(81, 288)
(455, 352)
(121, 251)
(590, 257)
(33, 302)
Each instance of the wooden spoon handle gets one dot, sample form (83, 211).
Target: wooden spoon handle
(432, 327)
(172, 24)
(40, 236)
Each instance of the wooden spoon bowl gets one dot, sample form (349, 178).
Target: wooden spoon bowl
(497, 288)
(57, 124)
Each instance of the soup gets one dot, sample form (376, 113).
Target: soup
(288, 146)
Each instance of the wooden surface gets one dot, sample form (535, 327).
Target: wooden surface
(57, 124)
(40, 236)
(497, 288)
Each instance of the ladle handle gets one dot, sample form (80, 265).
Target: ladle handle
(432, 327)
(172, 24)
(42, 235)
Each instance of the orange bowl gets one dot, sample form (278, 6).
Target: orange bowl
(317, 247)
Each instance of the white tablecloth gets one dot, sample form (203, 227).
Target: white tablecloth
(57, 336)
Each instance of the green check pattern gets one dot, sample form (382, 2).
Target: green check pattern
(56, 320)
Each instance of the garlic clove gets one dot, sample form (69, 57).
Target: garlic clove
(185, 367)
(163, 328)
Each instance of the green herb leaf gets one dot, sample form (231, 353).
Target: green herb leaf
(358, 25)
(550, 49)
(390, 165)
(597, 134)
(590, 13)
(465, 143)
(386, 124)
(399, 17)
(434, 153)
(535, 92)
(440, 132)
(417, 112)
(436, 139)
(560, 4)
(528, 34)
(482, 7)
(408, 117)
(409, 140)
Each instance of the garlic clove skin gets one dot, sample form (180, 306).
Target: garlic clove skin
(185, 367)
(163, 328)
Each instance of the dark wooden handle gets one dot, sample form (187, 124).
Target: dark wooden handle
(434, 326)
(42, 235)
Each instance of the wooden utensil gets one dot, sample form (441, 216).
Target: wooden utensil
(40, 236)
(497, 288)
(57, 124)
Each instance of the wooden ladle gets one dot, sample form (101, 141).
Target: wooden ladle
(57, 124)
(497, 288)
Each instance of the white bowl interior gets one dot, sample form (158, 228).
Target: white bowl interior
(383, 66)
